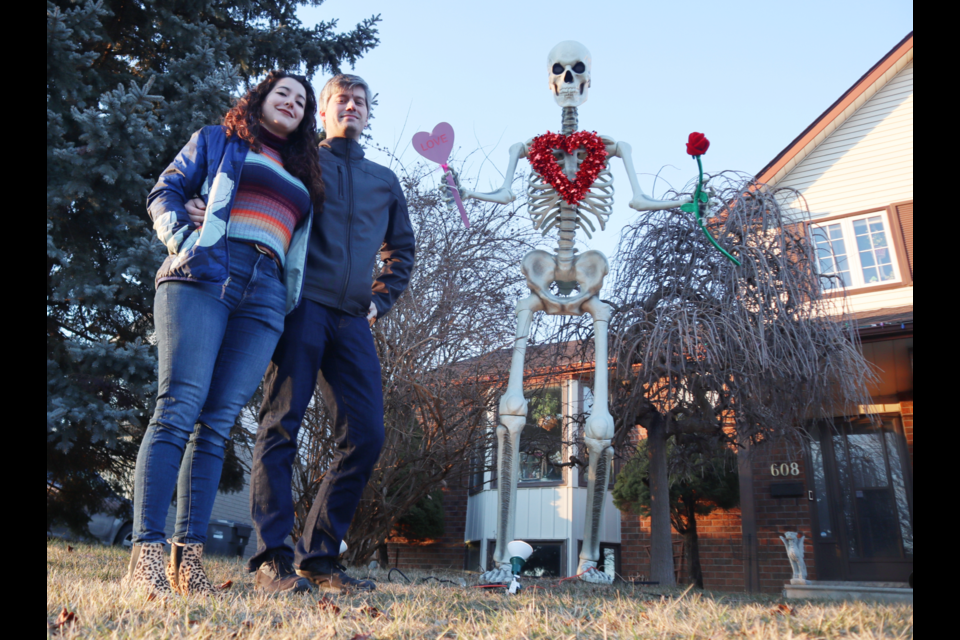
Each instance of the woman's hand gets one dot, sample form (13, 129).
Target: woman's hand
(195, 210)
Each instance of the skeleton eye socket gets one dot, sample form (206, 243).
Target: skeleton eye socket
(557, 69)
(579, 67)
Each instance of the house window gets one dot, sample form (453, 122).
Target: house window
(856, 252)
(471, 556)
(609, 561)
(541, 442)
(477, 468)
(546, 561)
(587, 409)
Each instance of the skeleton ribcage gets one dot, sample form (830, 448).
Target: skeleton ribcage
(544, 203)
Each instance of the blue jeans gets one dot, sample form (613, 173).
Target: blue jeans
(213, 344)
(316, 338)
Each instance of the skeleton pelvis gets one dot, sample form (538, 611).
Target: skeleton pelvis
(541, 270)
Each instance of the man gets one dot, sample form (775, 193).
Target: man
(364, 211)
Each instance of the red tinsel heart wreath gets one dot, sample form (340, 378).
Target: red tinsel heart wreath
(540, 154)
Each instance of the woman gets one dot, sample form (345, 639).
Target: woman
(222, 294)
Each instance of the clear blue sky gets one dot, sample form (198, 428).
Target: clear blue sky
(750, 75)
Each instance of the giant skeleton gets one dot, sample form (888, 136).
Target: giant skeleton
(578, 279)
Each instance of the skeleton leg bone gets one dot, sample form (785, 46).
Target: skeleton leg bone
(513, 416)
(598, 435)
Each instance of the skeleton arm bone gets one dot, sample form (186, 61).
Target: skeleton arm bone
(640, 202)
(503, 195)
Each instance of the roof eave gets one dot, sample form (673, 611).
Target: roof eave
(837, 113)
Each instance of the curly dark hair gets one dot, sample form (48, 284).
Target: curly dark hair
(300, 155)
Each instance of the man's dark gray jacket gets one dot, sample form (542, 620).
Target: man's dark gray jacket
(364, 212)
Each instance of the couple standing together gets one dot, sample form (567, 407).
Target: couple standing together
(272, 244)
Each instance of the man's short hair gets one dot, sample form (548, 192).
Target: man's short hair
(340, 83)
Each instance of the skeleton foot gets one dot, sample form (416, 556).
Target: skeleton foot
(589, 573)
(501, 575)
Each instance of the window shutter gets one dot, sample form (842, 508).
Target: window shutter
(905, 213)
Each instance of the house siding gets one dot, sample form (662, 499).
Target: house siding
(868, 161)
(856, 301)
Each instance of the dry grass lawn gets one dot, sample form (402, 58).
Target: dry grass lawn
(86, 581)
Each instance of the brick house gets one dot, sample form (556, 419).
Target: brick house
(850, 493)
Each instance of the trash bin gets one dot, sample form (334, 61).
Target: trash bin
(243, 536)
(226, 538)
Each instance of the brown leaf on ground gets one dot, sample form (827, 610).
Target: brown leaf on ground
(644, 615)
(152, 596)
(69, 548)
(66, 617)
(226, 585)
(326, 604)
(248, 624)
(192, 621)
(784, 610)
(372, 611)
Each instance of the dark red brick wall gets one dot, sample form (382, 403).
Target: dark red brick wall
(776, 516)
(444, 553)
(720, 533)
(720, 550)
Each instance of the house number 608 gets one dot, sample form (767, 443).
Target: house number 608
(784, 469)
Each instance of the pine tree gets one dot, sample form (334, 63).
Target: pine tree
(127, 83)
(709, 482)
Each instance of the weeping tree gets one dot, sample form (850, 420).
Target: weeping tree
(710, 354)
(441, 350)
(700, 483)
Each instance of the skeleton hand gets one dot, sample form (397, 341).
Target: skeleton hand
(709, 208)
(447, 194)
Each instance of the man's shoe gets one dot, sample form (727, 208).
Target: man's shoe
(277, 576)
(336, 579)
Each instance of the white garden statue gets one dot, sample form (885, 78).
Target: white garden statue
(794, 548)
(570, 188)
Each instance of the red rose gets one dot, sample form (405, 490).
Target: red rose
(697, 144)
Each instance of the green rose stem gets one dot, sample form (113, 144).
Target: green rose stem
(699, 196)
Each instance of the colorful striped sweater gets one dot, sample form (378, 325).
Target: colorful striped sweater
(269, 201)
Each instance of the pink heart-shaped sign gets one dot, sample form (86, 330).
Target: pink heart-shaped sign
(435, 146)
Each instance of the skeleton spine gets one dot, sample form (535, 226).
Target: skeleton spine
(568, 212)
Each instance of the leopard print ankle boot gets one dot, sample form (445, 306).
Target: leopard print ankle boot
(146, 570)
(186, 565)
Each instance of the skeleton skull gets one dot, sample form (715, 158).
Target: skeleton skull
(568, 66)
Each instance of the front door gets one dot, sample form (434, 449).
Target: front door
(862, 501)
